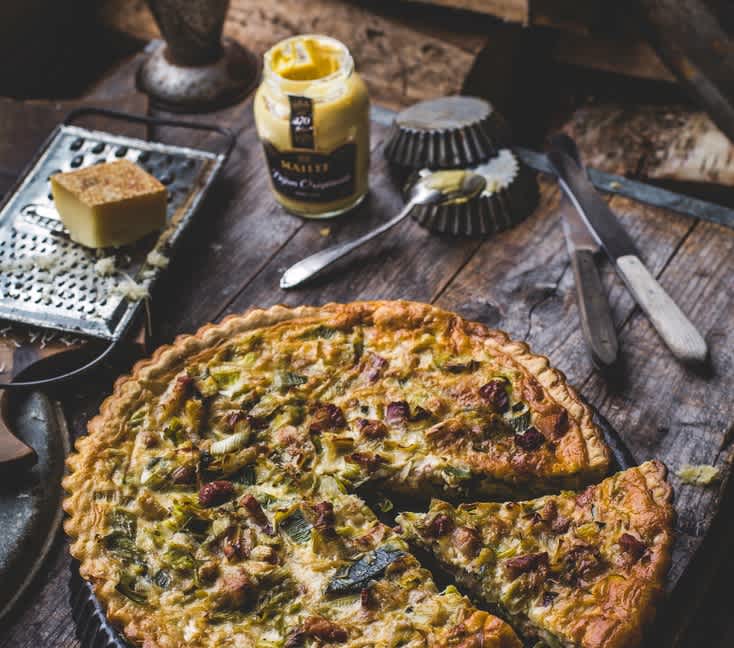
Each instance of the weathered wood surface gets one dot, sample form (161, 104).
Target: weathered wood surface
(651, 142)
(519, 281)
(580, 17)
(404, 57)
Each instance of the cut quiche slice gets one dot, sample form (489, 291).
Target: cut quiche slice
(576, 570)
(254, 562)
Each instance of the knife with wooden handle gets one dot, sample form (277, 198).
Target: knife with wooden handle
(676, 330)
(597, 325)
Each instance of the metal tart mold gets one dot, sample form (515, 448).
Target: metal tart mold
(446, 133)
(511, 196)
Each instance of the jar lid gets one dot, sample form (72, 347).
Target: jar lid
(510, 196)
(446, 133)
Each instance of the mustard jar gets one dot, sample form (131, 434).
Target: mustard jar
(312, 117)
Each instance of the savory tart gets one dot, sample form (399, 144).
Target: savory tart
(577, 570)
(209, 503)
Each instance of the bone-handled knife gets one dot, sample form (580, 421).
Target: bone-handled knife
(671, 323)
(597, 325)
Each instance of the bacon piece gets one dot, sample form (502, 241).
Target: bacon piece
(553, 425)
(184, 475)
(374, 366)
(495, 394)
(586, 497)
(317, 628)
(581, 563)
(447, 433)
(255, 511)
(235, 417)
(325, 518)
(440, 525)
(519, 565)
(549, 516)
(327, 416)
(237, 543)
(397, 412)
(633, 547)
(371, 462)
(371, 538)
(216, 493)
(371, 428)
(236, 590)
(530, 440)
(366, 599)
(467, 541)
(532, 391)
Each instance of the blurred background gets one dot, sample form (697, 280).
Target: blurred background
(599, 69)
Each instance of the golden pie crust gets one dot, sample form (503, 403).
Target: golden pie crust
(585, 569)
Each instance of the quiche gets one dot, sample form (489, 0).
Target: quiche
(578, 570)
(213, 502)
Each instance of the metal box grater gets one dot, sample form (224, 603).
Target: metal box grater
(70, 295)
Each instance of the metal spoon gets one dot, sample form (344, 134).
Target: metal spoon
(438, 187)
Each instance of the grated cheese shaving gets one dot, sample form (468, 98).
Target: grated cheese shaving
(130, 289)
(699, 474)
(105, 266)
(156, 259)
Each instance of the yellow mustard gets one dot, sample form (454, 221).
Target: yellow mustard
(312, 116)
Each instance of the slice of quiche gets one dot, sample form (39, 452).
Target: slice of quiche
(577, 570)
(255, 563)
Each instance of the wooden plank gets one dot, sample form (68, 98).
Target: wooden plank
(510, 10)
(402, 58)
(627, 56)
(571, 16)
(676, 146)
(26, 124)
(521, 281)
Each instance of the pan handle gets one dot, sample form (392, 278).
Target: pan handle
(229, 137)
(55, 380)
(14, 454)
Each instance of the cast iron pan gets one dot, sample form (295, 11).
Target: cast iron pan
(30, 500)
(95, 631)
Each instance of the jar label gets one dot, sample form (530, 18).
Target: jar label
(313, 177)
(301, 122)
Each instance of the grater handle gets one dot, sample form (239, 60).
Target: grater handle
(229, 137)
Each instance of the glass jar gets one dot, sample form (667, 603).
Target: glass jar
(312, 117)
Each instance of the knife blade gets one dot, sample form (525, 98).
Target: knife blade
(597, 325)
(676, 330)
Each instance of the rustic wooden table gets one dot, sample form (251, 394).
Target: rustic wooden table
(519, 281)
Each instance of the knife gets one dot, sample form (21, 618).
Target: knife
(596, 320)
(671, 323)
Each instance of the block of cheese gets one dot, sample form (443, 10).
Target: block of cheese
(109, 204)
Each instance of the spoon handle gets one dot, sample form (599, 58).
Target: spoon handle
(312, 265)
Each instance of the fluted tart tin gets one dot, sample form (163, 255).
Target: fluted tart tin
(446, 133)
(511, 196)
